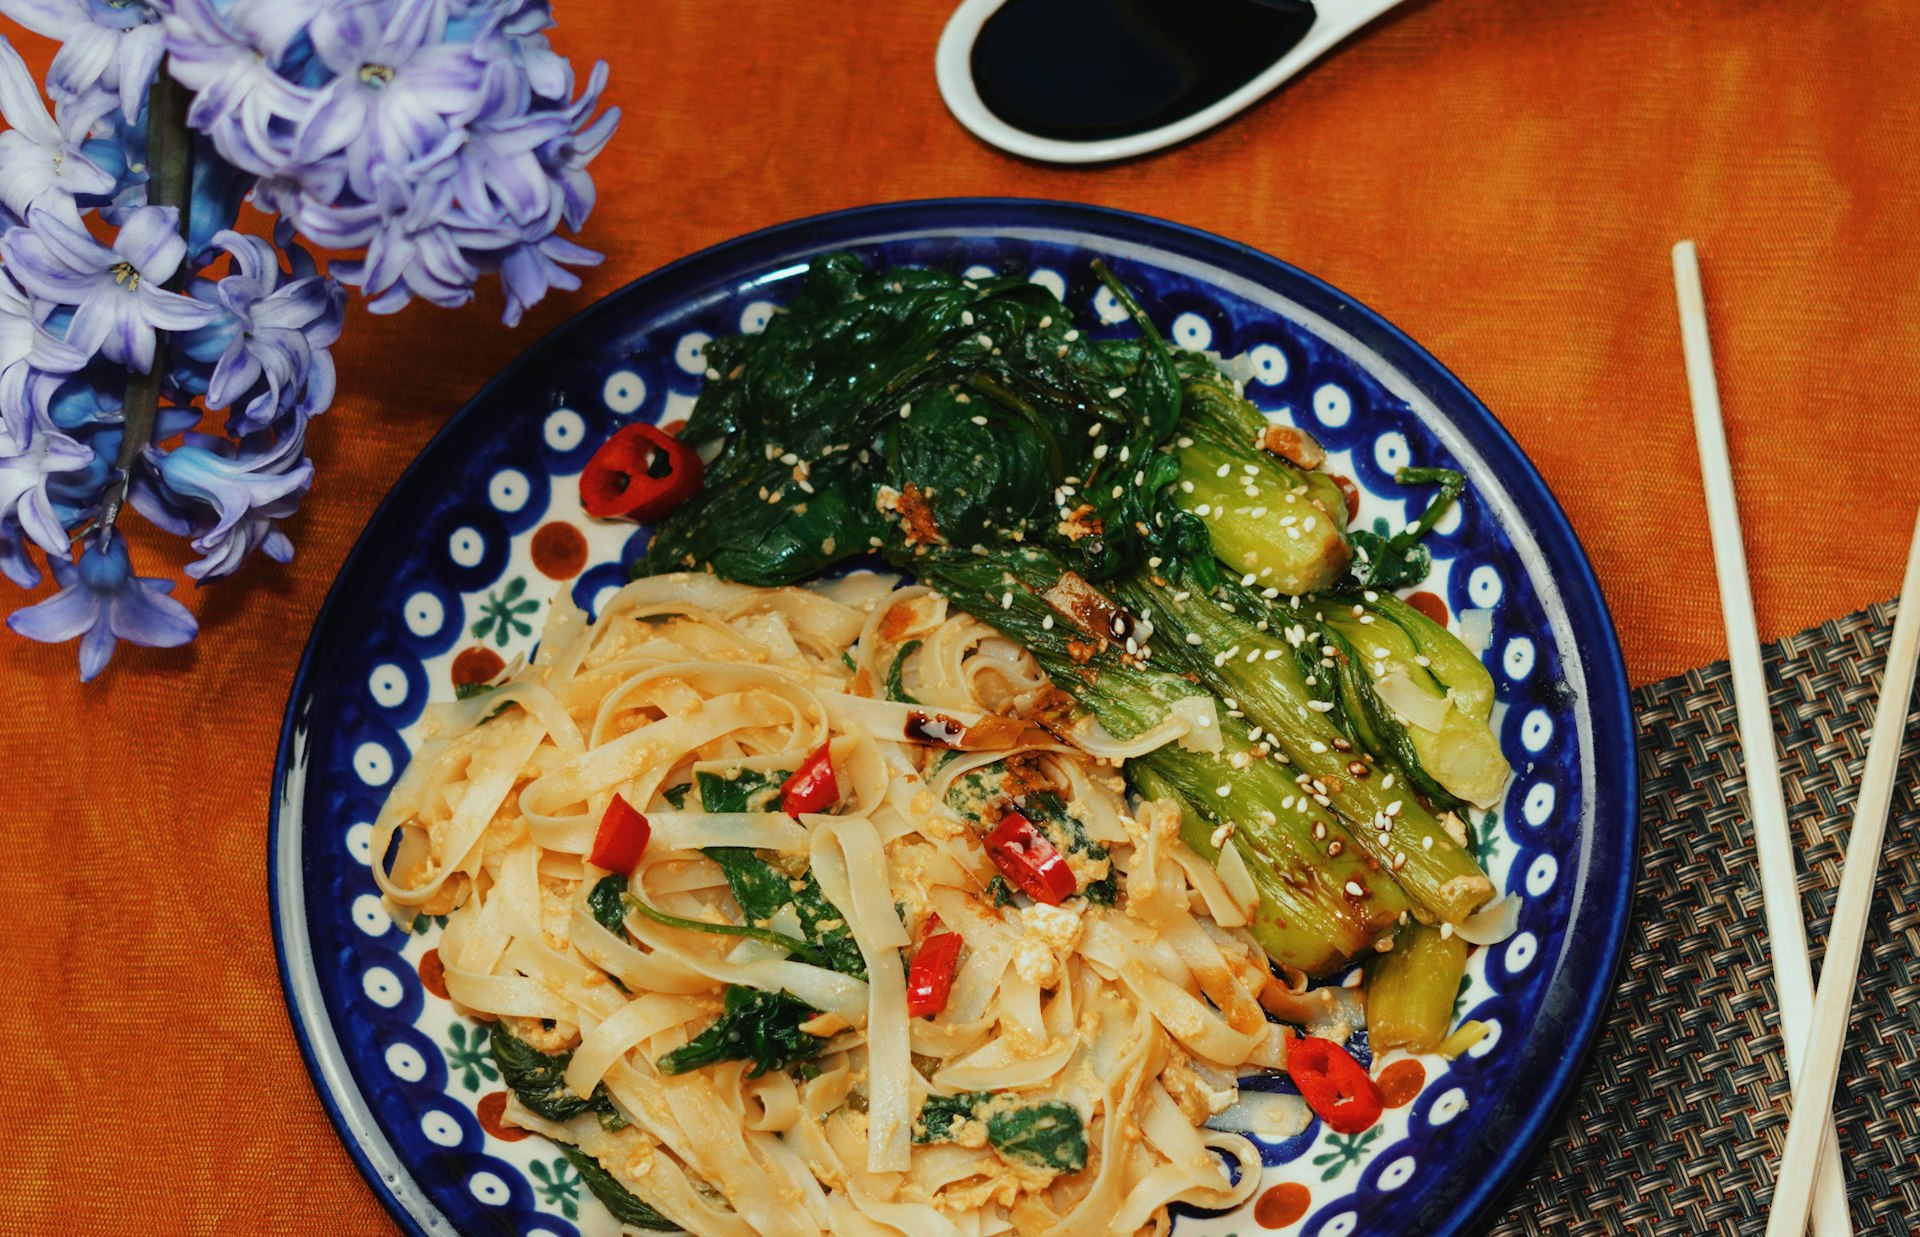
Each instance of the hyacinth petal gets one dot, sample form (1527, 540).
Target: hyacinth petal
(96, 650)
(83, 59)
(233, 376)
(15, 563)
(170, 311)
(66, 614)
(150, 241)
(51, 19)
(139, 53)
(94, 325)
(20, 100)
(145, 614)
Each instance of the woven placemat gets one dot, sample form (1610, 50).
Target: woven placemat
(1679, 1117)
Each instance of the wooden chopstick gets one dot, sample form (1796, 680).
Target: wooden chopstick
(1813, 1086)
(1772, 841)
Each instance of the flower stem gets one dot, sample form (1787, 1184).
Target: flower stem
(169, 183)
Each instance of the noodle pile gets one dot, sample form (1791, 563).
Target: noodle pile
(1135, 1015)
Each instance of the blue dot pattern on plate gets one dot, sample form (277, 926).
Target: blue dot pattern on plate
(456, 533)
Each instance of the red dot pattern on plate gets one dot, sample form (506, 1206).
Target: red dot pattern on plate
(1400, 1082)
(1430, 605)
(1284, 1204)
(433, 974)
(490, 1109)
(559, 551)
(476, 665)
(1352, 492)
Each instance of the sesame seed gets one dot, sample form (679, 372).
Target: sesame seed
(1070, 336)
(1125, 453)
(1186, 487)
(986, 341)
(1193, 637)
(1182, 595)
(1366, 618)
(1221, 834)
(1116, 392)
(1046, 321)
(1006, 601)
(1204, 509)
(1354, 889)
(1420, 659)
(1446, 931)
(1320, 706)
(963, 398)
(1393, 809)
(1334, 848)
(1399, 860)
(1223, 791)
(1312, 523)
(966, 317)
(712, 373)
(1100, 452)
(1229, 701)
(1273, 654)
(1250, 470)
(1223, 470)
(1316, 747)
(1046, 623)
(1319, 831)
(1426, 843)
(1257, 512)
(1247, 580)
(1139, 477)
(1118, 490)
(978, 420)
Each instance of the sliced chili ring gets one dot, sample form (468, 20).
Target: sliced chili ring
(641, 473)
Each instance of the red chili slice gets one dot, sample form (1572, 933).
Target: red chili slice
(1025, 857)
(813, 787)
(640, 474)
(621, 839)
(930, 977)
(1334, 1085)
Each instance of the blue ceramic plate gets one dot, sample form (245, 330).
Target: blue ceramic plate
(456, 568)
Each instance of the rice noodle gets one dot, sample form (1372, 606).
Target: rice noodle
(494, 824)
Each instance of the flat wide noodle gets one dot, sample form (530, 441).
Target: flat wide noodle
(1133, 1015)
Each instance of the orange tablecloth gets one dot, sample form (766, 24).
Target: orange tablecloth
(1502, 179)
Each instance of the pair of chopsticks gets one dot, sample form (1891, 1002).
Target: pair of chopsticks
(1808, 1183)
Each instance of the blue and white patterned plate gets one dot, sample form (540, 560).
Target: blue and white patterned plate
(456, 568)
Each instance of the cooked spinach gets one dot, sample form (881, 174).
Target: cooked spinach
(676, 796)
(1049, 1134)
(761, 1027)
(894, 690)
(622, 1202)
(767, 936)
(1000, 891)
(1048, 811)
(539, 1078)
(743, 790)
(1002, 400)
(607, 902)
(938, 1114)
(762, 890)
(1400, 560)
(1046, 1134)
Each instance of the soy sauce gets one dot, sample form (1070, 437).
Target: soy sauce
(1082, 70)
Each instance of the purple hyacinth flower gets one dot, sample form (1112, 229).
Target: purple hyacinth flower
(566, 156)
(227, 494)
(30, 358)
(230, 57)
(41, 161)
(529, 269)
(111, 46)
(102, 602)
(398, 91)
(271, 342)
(117, 294)
(15, 563)
(28, 461)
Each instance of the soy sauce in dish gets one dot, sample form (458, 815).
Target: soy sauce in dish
(1083, 70)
